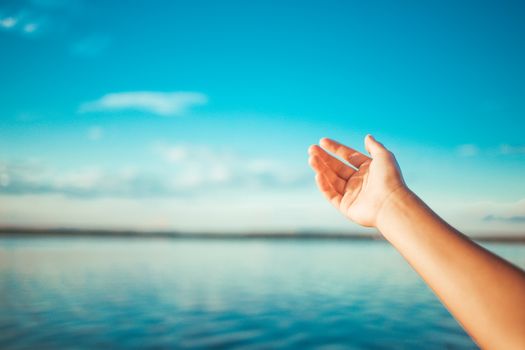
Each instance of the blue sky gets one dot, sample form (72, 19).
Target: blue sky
(196, 115)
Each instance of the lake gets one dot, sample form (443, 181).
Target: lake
(58, 292)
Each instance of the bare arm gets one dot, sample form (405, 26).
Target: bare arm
(485, 293)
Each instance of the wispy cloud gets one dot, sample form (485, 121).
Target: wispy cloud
(95, 133)
(467, 150)
(201, 165)
(503, 212)
(160, 103)
(22, 178)
(30, 27)
(508, 149)
(471, 150)
(33, 18)
(8, 22)
(481, 216)
(90, 46)
(20, 23)
(183, 170)
(518, 219)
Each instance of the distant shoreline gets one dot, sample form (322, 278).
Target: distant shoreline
(71, 232)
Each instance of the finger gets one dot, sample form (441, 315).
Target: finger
(352, 156)
(327, 190)
(341, 169)
(373, 146)
(320, 167)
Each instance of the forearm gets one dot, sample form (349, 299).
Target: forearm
(485, 293)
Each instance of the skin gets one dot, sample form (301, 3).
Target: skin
(485, 293)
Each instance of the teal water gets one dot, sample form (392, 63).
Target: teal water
(252, 294)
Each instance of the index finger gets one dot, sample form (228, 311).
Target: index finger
(349, 154)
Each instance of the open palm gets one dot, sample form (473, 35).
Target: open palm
(360, 185)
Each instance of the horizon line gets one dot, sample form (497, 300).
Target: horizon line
(174, 234)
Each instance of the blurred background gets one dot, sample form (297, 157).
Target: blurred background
(195, 116)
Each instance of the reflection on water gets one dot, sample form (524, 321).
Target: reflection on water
(126, 293)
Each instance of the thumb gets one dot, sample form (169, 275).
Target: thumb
(373, 146)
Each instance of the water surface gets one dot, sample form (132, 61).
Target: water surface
(242, 294)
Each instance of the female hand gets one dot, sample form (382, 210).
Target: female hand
(361, 188)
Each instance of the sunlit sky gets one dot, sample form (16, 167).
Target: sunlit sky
(196, 115)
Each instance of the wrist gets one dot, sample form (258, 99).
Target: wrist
(392, 205)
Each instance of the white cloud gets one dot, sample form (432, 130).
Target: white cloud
(471, 150)
(279, 212)
(32, 18)
(88, 182)
(21, 23)
(95, 133)
(4, 176)
(482, 216)
(8, 22)
(508, 149)
(467, 150)
(502, 208)
(160, 103)
(90, 46)
(82, 179)
(174, 154)
(186, 171)
(186, 153)
(30, 27)
(200, 165)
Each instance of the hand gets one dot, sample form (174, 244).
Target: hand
(361, 190)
